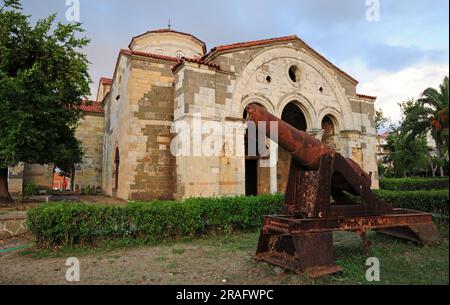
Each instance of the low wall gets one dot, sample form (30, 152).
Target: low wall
(12, 224)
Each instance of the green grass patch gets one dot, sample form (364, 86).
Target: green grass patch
(401, 262)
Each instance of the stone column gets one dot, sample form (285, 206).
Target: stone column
(316, 133)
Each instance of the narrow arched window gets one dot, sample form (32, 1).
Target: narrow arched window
(116, 168)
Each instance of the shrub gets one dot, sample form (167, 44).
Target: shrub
(30, 190)
(414, 184)
(65, 223)
(435, 201)
(88, 190)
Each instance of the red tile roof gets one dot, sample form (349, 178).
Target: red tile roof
(92, 107)
(106, 81)
(366, 96)
(272, 40)
(169, 58)
(196, 60)
(169, 31)
(250, 44)
(152, 55)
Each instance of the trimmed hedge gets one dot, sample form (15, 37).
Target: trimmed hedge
(65, 223)
(414, 184)
(435, 201)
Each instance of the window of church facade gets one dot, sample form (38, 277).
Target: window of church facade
(294, 73)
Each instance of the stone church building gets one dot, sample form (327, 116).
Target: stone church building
(165, 76)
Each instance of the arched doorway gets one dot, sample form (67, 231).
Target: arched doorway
(254, 175)
(116, 171)
(329, 129)
(293, 115)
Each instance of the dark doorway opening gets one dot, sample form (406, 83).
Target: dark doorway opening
(251, 177)
(251, 161)
(294, 116)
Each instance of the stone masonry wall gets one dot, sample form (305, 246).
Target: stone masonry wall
(89, 172)
(38, 175)
(15, 179)
(118, 114)
(154, 176)
(12, 224)
(201, 90)
(138, 123)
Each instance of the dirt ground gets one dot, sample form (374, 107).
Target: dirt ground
(182, 263)
(222, 260)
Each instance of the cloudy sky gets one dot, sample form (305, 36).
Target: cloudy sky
(394, 58)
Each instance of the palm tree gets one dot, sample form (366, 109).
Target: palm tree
(429, 114)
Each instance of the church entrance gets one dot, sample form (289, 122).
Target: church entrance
(251, 164)
(293, 115)
(251, 177)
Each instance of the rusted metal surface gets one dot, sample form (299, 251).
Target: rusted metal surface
(299, 253)
(317, 203)
(423, 233)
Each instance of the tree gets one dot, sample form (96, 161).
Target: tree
(429, 114)
(380, 120)
(409, 155)
(43, 81)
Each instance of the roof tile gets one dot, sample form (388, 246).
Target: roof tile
(366, 96)
(92, 107)
(106, 81)
(152, 55)
(250, 43)
(271, 40)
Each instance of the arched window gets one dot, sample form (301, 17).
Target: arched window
(293, 115)
(329, 131)
(116, 168)
(294, 73)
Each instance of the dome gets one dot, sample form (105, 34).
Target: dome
(168, 42)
